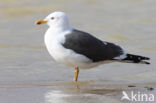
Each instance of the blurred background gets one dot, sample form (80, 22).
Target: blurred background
(24, 58)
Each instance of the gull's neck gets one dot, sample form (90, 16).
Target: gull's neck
(52, 34)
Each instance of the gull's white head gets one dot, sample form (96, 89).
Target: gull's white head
(56, 20)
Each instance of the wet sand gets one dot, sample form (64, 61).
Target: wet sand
(71, 92)
(29, 75)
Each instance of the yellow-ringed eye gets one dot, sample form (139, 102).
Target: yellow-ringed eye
(52, 18)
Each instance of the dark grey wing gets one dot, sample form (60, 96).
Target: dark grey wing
(93, 48)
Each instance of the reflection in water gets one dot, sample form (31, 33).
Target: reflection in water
(65, 92)
(83, 92)
(66, 97)
(56, 97)
(90, 92)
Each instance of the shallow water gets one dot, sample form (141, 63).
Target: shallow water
(29, 75)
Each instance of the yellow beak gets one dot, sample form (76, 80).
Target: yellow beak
(41, 22)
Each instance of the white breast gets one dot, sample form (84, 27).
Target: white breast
(54, 40)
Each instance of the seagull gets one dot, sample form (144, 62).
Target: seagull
(80, 49)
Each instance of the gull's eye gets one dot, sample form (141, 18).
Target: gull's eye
(52, 18)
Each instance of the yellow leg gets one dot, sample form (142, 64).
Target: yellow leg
(76, 74)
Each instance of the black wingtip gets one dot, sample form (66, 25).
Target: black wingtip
(147, 63)
(137, 59)
(144, 62)
(146, 58)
